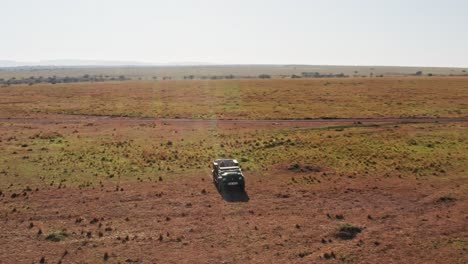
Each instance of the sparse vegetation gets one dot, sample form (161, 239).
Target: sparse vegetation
(129, 184)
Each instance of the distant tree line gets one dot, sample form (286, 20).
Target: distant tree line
(420, 73)
(55, 79)
(103, 78)
(319, 75)
(264, 76)
(216, 77)
(212, 77)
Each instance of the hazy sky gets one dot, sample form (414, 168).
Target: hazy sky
(333, 32)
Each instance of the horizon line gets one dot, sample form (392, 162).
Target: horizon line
(141, 64)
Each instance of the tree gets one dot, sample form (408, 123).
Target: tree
(418, 73)
(264, 76)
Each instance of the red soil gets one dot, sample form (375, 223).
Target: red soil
(174, 221)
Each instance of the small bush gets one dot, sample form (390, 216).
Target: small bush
(50, 135)
(329, 255)
(294, 166)
(348, 231)
(446, 199)
(57, 236)
(303, 254)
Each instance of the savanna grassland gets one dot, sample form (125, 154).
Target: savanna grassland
(90, 173)
(84, 154)
(246, 99)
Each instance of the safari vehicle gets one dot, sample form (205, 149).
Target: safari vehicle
(227, 173)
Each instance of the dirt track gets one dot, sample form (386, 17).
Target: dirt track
(51, 119)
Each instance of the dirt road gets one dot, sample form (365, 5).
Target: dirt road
(299, 123)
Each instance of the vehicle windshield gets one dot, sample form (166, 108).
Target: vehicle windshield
(227, 163)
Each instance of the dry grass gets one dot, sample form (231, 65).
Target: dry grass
(131, 191)
(246, 99)
(88, 155)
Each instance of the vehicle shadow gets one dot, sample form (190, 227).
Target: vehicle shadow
(233, 195)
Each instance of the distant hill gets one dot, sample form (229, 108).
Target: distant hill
(82, 63)
(9, 63)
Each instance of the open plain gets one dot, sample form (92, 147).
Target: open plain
(352, 170)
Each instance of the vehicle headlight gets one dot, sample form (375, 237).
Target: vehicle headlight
(240, 178)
